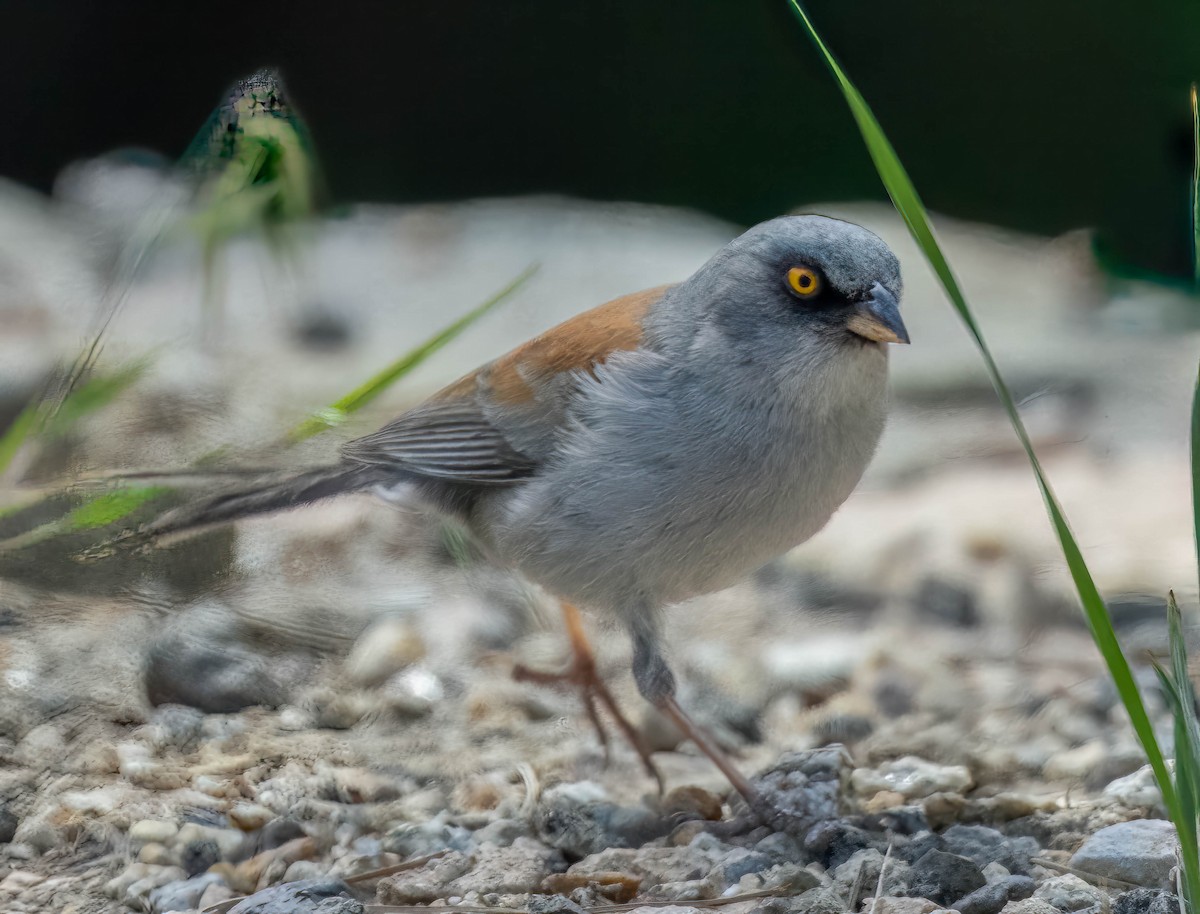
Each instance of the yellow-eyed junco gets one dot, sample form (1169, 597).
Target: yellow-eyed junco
(657, 447)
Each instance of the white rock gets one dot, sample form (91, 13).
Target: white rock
(153, 831)
(386, 647)
(1137, 790)
(912, 778)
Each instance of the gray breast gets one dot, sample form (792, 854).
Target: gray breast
(663, 492)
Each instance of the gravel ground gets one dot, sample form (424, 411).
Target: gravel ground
(318, 710)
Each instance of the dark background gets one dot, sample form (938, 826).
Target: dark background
(1042, 116)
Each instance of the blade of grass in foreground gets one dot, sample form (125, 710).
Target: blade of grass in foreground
(1195, 189)
(337, 412)
(1195, 436)
(907, 202)
(1187, 751)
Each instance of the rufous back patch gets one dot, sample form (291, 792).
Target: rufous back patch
(581, 342)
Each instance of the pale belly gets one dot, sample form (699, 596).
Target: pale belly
(618, 531)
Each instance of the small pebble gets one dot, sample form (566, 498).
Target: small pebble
(692, 801)
(153, 831)
(249, 816)
(911, 778)
(1069, 893)
(157, 854)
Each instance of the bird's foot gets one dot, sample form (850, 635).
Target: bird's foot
(705, 743)
(582, 674)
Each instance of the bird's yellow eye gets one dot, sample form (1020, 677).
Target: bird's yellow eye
(804, 281)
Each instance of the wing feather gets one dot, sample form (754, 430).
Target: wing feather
(450, 440)
(466, 432)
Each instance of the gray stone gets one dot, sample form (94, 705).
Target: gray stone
(276, 833)
(553, 904)
(430, 882)
(789, 877)
(992, 897)
(582, 828)
(655, 865)
(410, 840)
(1029, 906)
(741, 862)
(1069, 893)
(861, 872)
(173, 727)
(8, 823)
(183, 894)
(802, 789)
(511, 870)
(198, 855)
(687, 890)
(310, 897)
(502, 832)
(944, 877)
(1141, 852)
(781, 848)
(893, 904)
(1146, 901)
(219, 678)
(821, 900)
(985, 845)
(835, 841)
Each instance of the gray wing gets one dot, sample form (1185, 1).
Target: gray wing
(447, 439)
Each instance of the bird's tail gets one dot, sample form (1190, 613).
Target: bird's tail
(267, 496)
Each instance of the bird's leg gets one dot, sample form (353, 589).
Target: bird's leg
(582, 673)
(656, 682)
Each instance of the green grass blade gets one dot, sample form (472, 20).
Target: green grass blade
(1195, 189)
(110, 507)
(1195, 436)
(1195, 448)
(95, 512)
(16, 435)
(908, 203)
(337, 412)
(1187, 750)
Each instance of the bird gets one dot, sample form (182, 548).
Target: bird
(658, 447)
